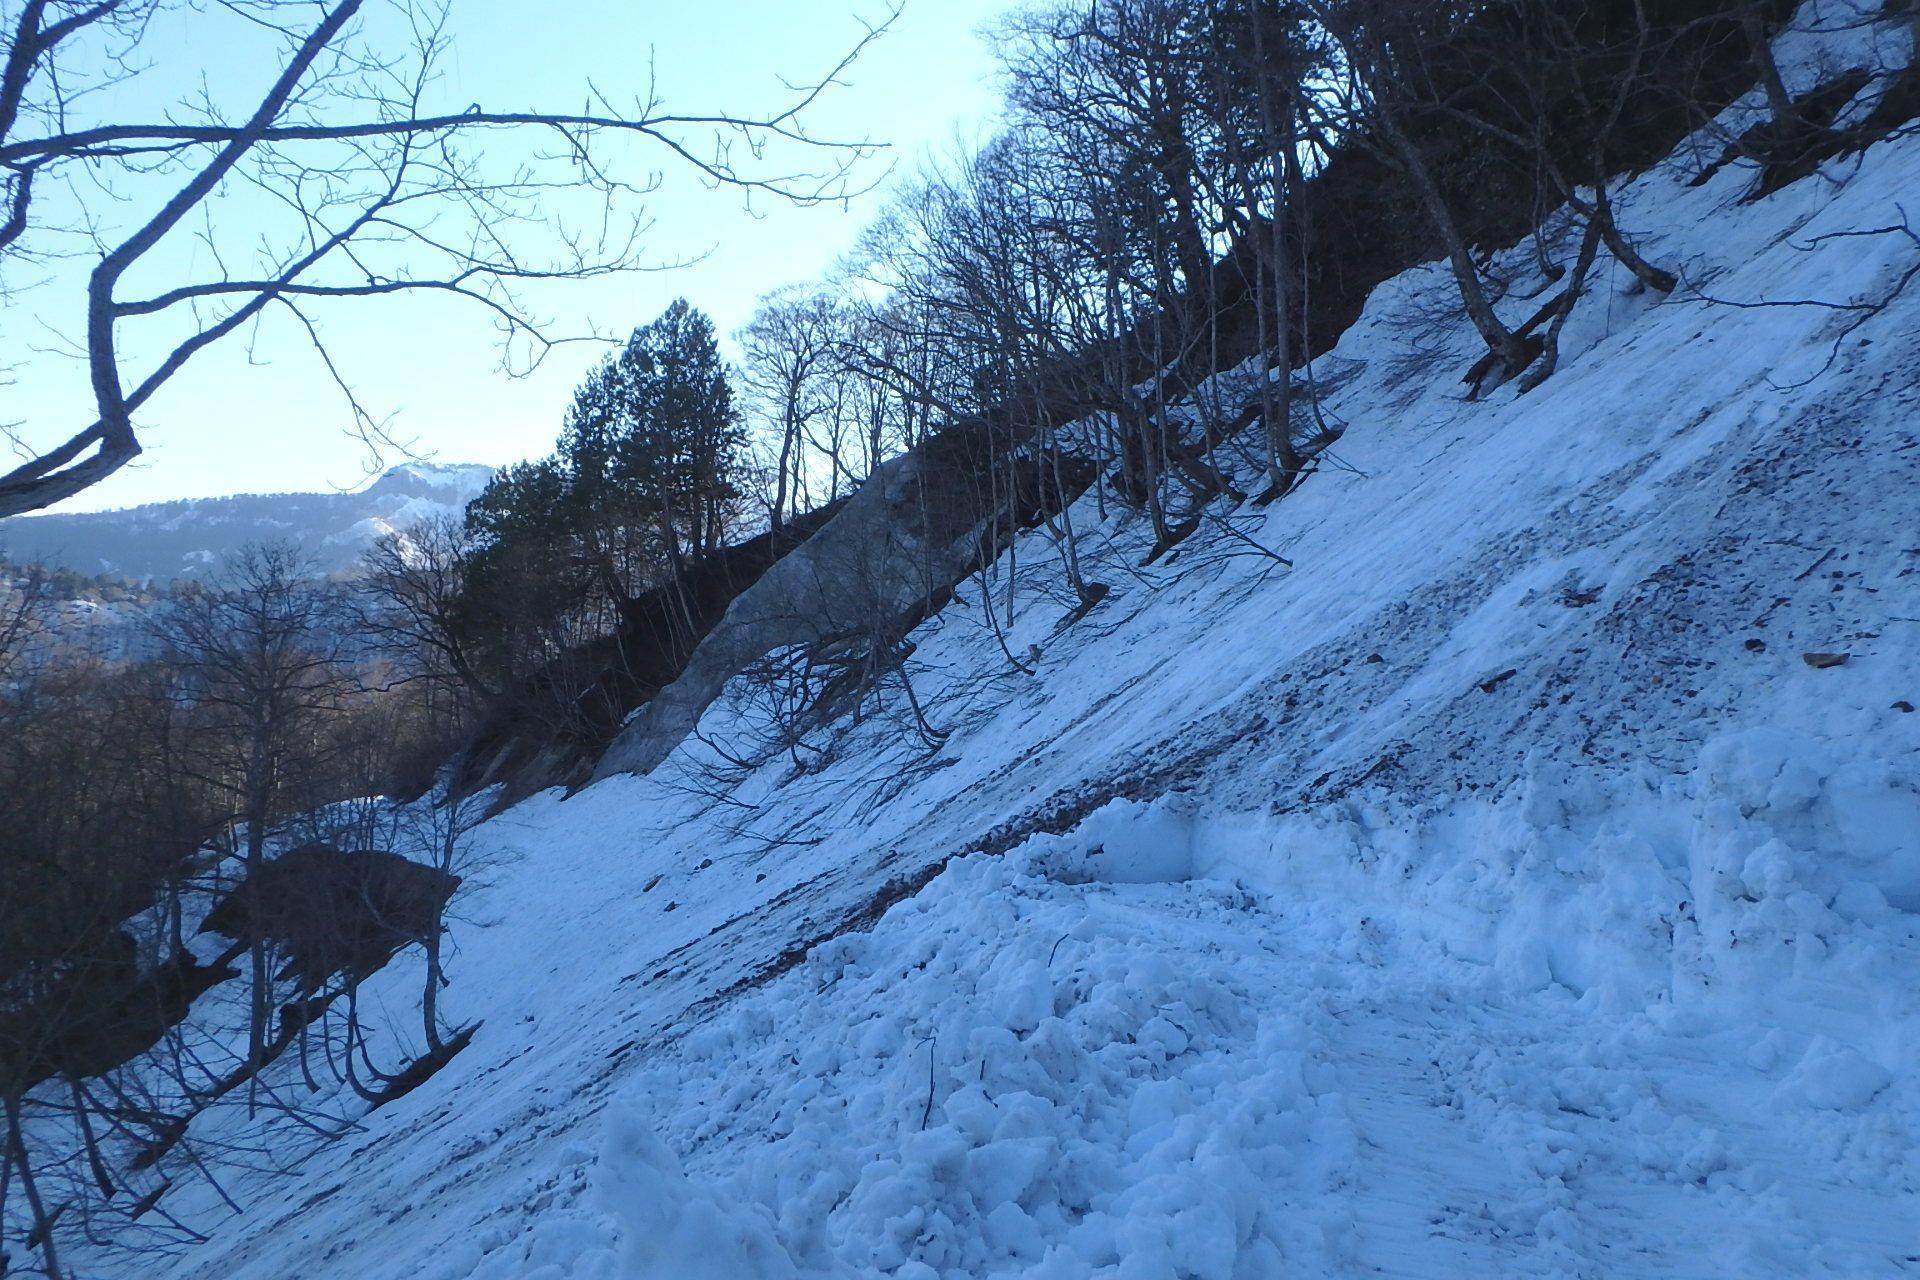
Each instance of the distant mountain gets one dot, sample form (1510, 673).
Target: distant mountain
(164, 541)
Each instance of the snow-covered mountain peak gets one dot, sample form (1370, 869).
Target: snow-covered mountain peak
(464, 479)
(163, 541)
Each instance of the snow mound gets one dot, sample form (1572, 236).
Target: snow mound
(673, 1229)
(1549, 1020)
(1009, 1077)
(1123, 842)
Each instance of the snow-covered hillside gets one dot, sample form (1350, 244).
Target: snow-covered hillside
(1498, 890)
(186, 539)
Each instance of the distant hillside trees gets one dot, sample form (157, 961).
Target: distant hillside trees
(649, 478)
(133, 794)
(653, 450)
(264, 669)
(24, 596)
(94, 815)
(409, 606)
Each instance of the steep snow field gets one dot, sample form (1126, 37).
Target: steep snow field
(1497, 891)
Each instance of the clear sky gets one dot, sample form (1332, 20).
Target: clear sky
(261, 415)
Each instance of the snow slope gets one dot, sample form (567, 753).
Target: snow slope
(1497, 891)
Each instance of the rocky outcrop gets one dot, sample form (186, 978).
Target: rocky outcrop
(920, 524)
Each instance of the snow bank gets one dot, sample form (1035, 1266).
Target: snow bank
(1007, 1077)
(1164, 1042)
(1122, 842)
(673, 1229)
(1167, 1044)
(1778, 873)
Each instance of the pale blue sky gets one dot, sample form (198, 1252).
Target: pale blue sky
(263, 417)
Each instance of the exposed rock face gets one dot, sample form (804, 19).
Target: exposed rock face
(658, 633)
(916, 528)
(331, 911)
(95, 1011)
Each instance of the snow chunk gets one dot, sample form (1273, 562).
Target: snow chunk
(1122, 842)
(673, 1229)
(1837, 1077)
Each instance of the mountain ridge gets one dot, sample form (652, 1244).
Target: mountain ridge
(186, 538)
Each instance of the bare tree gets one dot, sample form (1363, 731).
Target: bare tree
(95, 812)
(262, 666)
(1383, 44)
(1261, 58)
(342, 178)
(413, 606)
(439, 828)
(23, 601)
(789, 350)
(1754, 26)
(1582, 76)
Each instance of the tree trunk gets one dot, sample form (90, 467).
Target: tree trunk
(1549, 357)
(42, 1226)
(259, 997)
(95, 1165)
(1600, 214)
(1281, 127)
(430, 997)
(1512, 352)
(1785, 115)
(787, 429)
